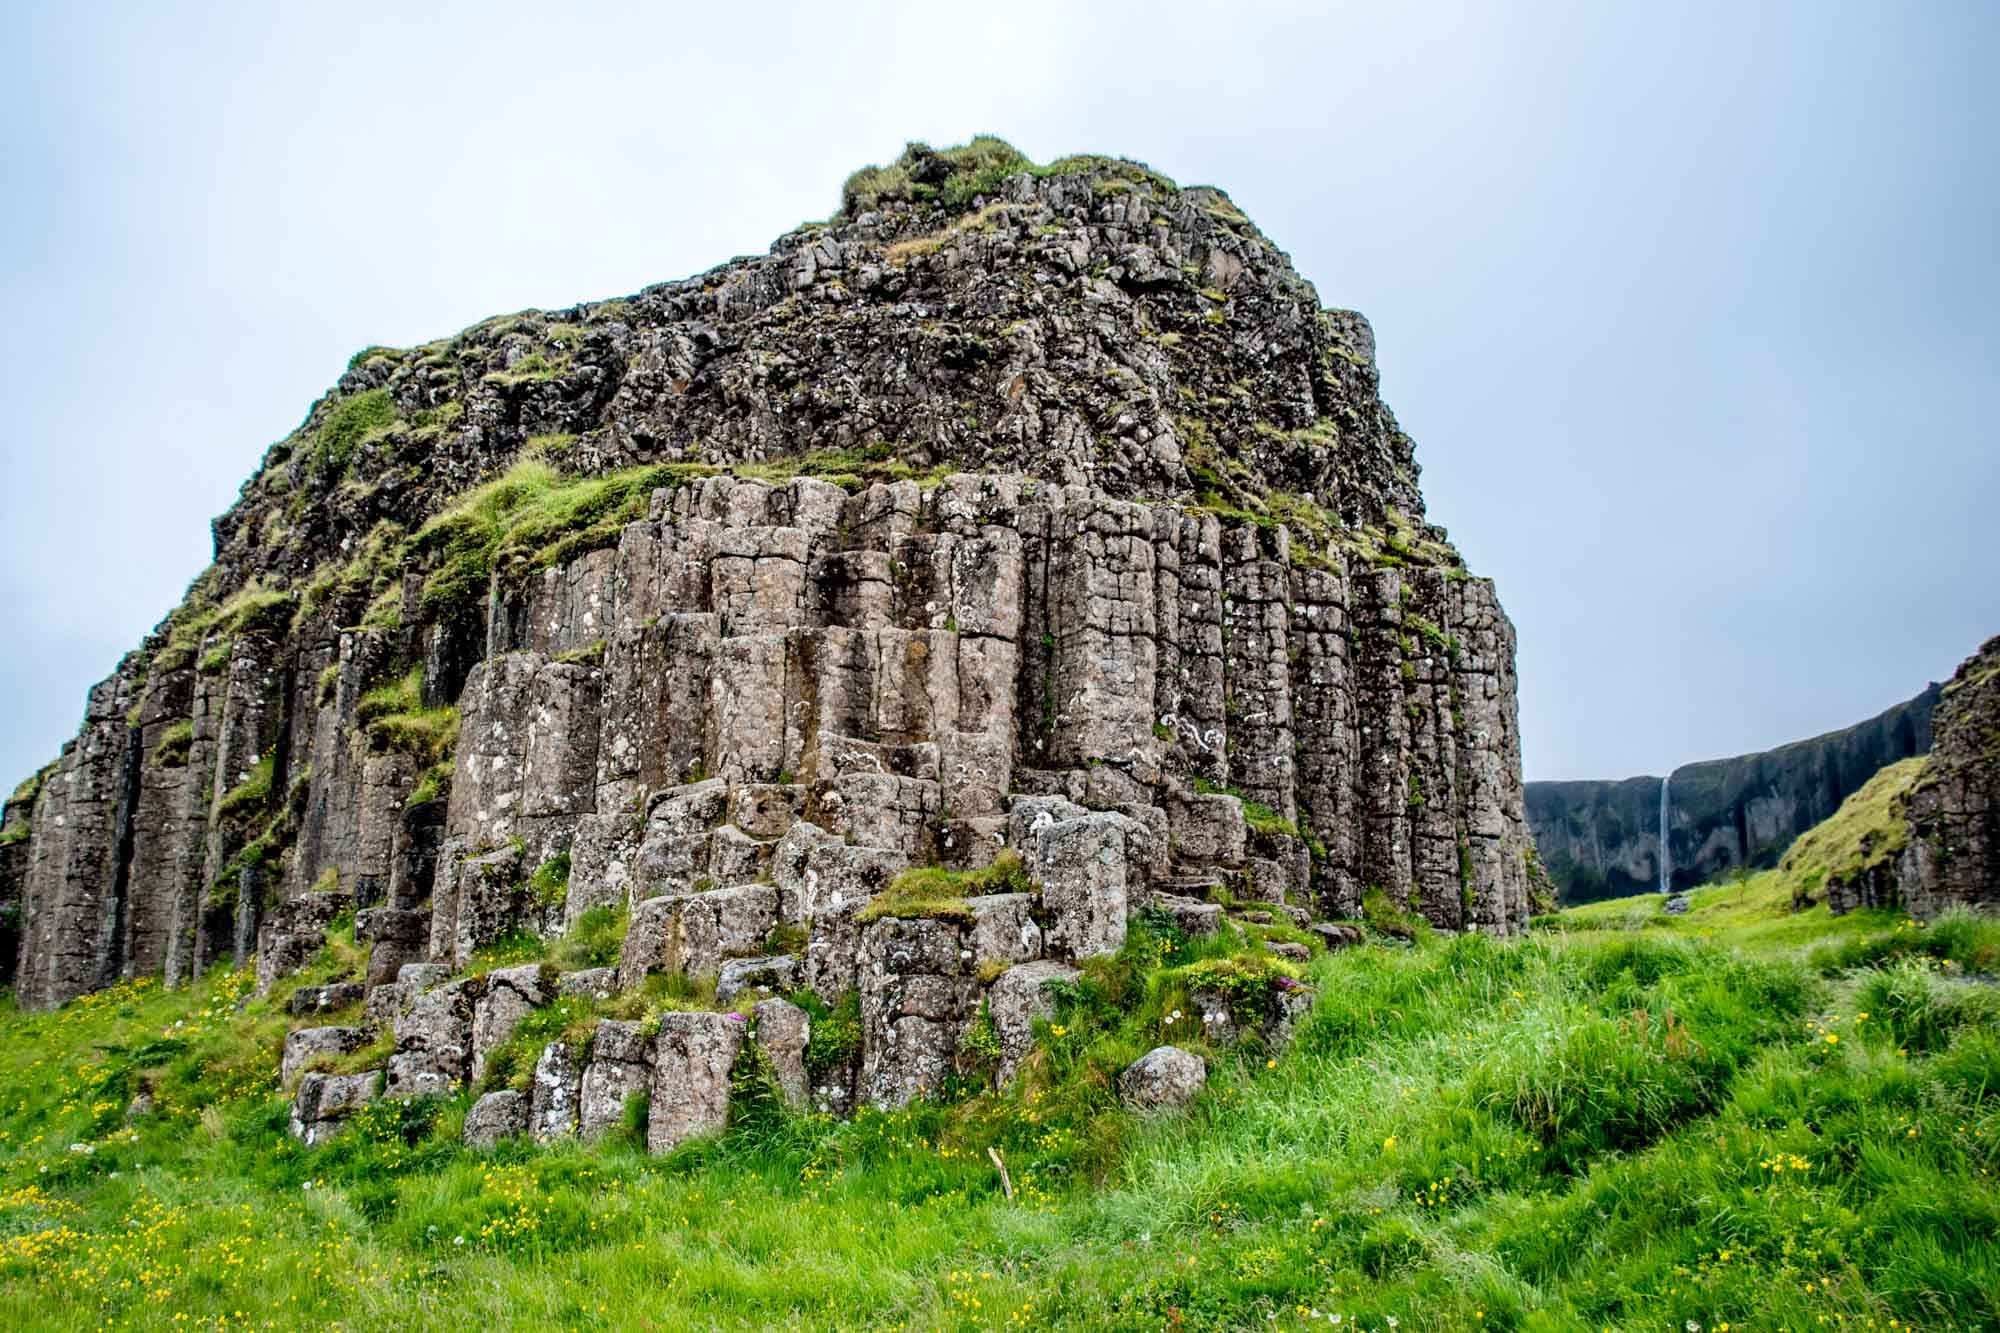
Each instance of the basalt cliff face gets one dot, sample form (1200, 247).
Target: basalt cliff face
(1602, 839)
(1041, 511)
(1947, 851)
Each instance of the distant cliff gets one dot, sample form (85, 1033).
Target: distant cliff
(1601, 839)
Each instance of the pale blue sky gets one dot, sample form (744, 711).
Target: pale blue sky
(1691, 308)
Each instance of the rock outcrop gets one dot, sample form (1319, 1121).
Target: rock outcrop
(1034, 510)
(1952, 857)
(1602, 839)
(1164, 1078)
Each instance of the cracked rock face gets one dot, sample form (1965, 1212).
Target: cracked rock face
(496, 1116)
(1164, 1078)
(692, 1057)
(325, 1101)
(621, 1067)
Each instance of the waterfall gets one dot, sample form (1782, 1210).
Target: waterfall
(1666, 856)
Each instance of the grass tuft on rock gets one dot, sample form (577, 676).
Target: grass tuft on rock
(941, 894)
(1868, 831)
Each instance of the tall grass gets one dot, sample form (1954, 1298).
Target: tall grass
(1585, 1129)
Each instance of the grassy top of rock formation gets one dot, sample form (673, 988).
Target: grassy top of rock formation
(1086, 322)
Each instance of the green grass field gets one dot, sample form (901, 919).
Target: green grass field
(1745, 1118)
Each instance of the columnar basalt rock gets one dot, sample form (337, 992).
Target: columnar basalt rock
(917, 993)
(1058, 520)
(326, 1101)
(620, 1068)
(692, 1057)
(1952, 858)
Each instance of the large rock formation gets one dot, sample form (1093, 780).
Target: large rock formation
(1602, 839)
(1041, 510)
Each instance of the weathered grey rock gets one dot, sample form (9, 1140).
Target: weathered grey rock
(483, 898)
(1952, 858)
(386, 1003)
(1164, 1078)
(492, 741)
(304, 1045)
(1219, 1023)
(555, 1093)
(421, 977)
(621, 1067)
(776, 972)
(793, 871)
(1092, 872)
(496, 1116)
(1004, 929)
(968, 844)
(559, 752)
(434, 1041)
(735, 857)
(766, 810)
(692, 1057)
(782, 1030)
(1298, 953)
(1287, 1004)
(679, 828)
(695, 932)
(1196, 918)
(599, 983)
(1289, 1009)
(1029, 817)
(1113, 789)
(1336, 935)
(1263, 881)
(645, 948)
(882, 810)
(642, 745)
(1676, 904)
(601, 860)
(839, 882)
(293, 934)
(691, 809)
(1018, 997)
(510, 995)
(1209, 830)
(396, 937)
(320, 999)
(934, 672)
(916, 996)
(325, 1101)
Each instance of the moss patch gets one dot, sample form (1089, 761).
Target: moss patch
(941, 894)
(1867, 832)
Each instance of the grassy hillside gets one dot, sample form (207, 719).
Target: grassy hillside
(1741, 1118)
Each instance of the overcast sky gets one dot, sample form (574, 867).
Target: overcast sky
(1692, 309)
